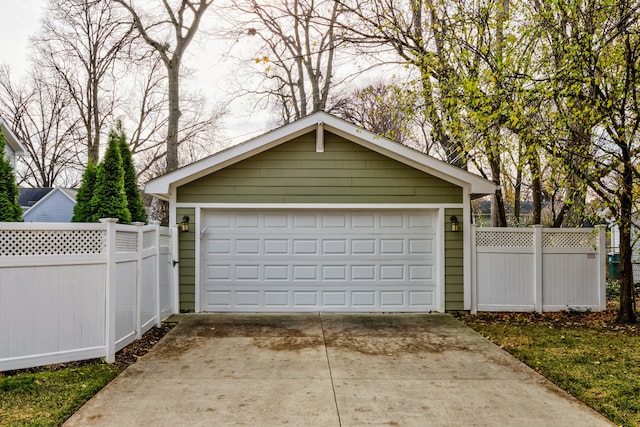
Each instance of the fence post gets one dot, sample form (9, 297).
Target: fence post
(156, 242)
(110, 290)
(474, 273)
(537, 270)
(602, 265)
(139, 272)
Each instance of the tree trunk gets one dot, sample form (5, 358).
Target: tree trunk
(174, 115)
(536, 189)
(627, 313)
(94, 149)
(498, 214)
(574, 215)
(517, 190)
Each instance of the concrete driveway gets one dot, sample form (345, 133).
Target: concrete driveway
(330, 370)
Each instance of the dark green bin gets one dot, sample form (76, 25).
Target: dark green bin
(614, 266)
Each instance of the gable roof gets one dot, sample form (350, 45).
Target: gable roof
(31, 197)
(11, 139)
(162, 186)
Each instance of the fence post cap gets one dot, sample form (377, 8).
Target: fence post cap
(155, 222)
(138, 223)
(105, 220)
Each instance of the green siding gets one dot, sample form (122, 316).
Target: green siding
(295, 173)
(187, 253)
(345, 173)
(453, 263)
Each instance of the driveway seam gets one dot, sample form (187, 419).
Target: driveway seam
(326, 352)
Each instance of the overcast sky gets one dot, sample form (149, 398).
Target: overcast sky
(21, 19)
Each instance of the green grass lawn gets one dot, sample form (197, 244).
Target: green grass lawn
(586, 354)
(49, 397)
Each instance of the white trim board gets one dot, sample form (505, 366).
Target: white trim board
(320, 205)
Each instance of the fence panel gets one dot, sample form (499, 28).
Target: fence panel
(126, 301)
(571, 269)
(53, 289)
(538, 269)
(51, 303)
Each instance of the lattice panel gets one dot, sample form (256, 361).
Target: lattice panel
(51, 242)
(148, 239)
(126, 242)
(519, 239)
(586, 240)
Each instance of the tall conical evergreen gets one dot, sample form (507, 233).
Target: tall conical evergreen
(82, 210)
(134, 199)
(10, 210)
(109, 198)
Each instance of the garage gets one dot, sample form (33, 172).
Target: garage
(335, 260)
(321, 215)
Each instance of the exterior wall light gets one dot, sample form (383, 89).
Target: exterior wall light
(455, 226)
(184, 225)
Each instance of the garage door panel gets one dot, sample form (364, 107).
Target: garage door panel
(343, 261)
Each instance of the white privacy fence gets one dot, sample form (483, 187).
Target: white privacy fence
(538, 269)
(73, 291)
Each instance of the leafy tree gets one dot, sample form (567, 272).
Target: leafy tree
(82, 211)
(595, 86)
(10, 210)
(109, 198)
(134, 199)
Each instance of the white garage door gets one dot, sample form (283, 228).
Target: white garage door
(319, 261)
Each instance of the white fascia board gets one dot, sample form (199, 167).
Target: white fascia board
(160, 186)
(12, 139)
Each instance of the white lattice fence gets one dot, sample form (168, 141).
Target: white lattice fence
(51, 242)
(538, 269)
(76, 291)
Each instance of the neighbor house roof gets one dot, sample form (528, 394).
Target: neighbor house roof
(321, 121)
(11, 139)
(30, 197)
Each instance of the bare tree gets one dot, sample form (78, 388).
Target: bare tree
(383, 109)
(40, 114)
(80, 42)
(182, 24)
(144, 116)
(295, 43)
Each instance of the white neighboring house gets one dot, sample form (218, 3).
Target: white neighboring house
(13, 147)
(47, 204)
